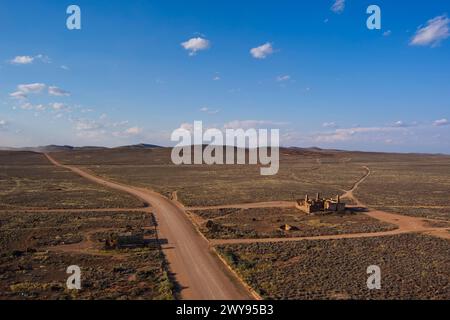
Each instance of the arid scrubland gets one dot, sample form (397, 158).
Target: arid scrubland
(38, 243)
(271, 222)
(413, 267)
(28, 180)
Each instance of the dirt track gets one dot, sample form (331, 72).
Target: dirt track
(405, 224)
(197, 270)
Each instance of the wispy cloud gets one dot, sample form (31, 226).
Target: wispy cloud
(102, 129)
(29, 106)
(441, 122)
(283, 78)
(3, 124)
(58, 106)
(55, 91)
(90, 129)
(331, 124)
(194, 45)
(338, 6)
(403, 124)
(347, 134)
(262, 51)
(133, 131)
(209, 111)
(24, 89)
(436, 30)
(31, 88)
(249, 124)
(23, 60)
(18, 95)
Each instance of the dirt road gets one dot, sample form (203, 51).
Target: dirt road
(197, 270)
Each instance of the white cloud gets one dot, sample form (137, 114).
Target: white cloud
(58, 106)
(441, 122)
(329, 125)
(29, 106)
(22, 60)
(24, 89)
(436, 30)
(283, 78)
(87, 125)
(18, 95)
(3, 124)
(403, 124)
(387, 33)
(55, 91)
(43, 58)
(340, 135)
(338, 6)
(31, 88)
(249, 124)
(65, 67)
(194, 45)
(117, 124)
(103, 129)
(133, 131)
(209, 111)
(399, 124)
(262, 51)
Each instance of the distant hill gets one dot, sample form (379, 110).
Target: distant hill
(65, 148)
(50, 148)
(144, 147)
(140, 146)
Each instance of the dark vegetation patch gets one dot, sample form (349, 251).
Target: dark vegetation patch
(412, 267)
(35, 251)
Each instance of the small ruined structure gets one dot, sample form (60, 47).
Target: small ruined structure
(287, 227)
(320, 205)
(125, 240)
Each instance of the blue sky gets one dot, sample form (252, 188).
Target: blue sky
(316, 72)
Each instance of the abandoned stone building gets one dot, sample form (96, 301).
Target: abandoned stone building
(129, 239)
(320, 205)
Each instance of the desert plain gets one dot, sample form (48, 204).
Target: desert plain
(219, 232)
